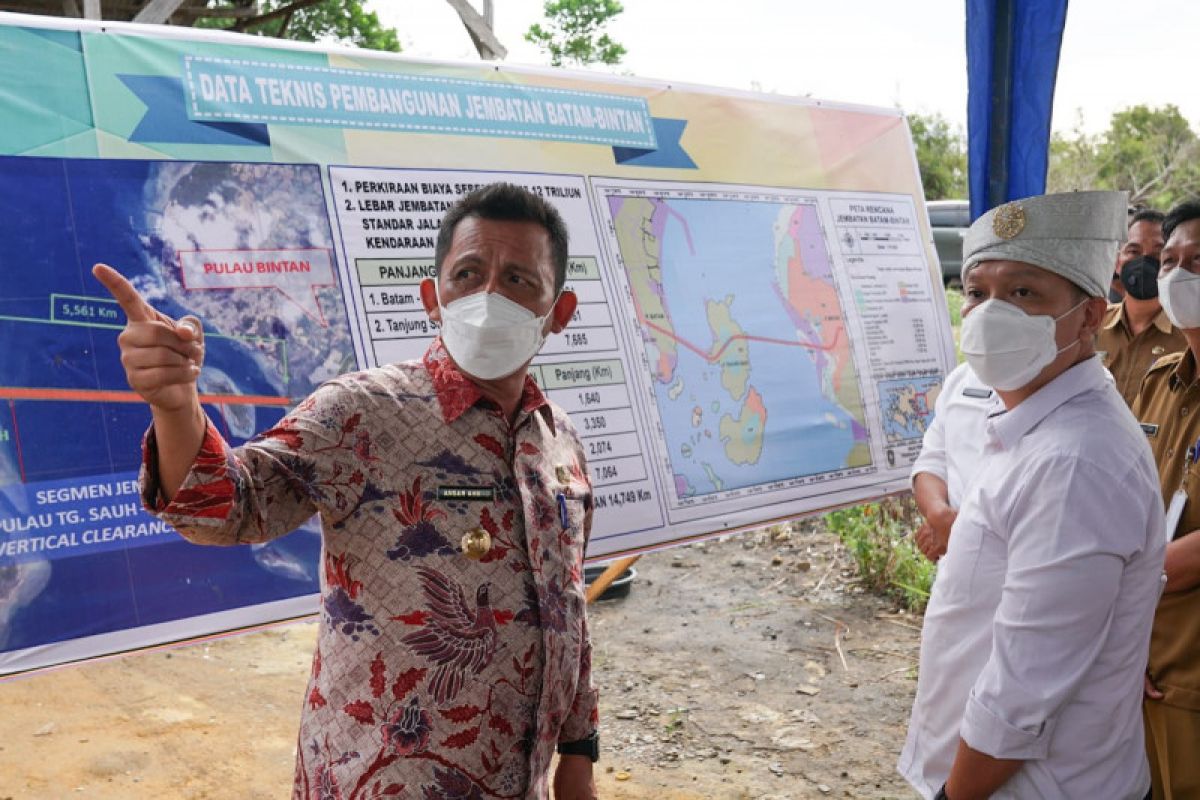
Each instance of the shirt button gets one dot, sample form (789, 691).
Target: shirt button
(1183, 411)
(1170, 452)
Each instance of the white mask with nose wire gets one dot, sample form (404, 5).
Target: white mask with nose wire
(1006, 347)
(1179, 294)
(490, 336)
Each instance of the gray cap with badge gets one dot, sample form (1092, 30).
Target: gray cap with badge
(1074, 234)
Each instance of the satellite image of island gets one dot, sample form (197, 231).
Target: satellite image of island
(69, 428)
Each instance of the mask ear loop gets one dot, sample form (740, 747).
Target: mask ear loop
(1062, 316)
(542, 332)
(437, 291)
(1071, 310)
(554, 305)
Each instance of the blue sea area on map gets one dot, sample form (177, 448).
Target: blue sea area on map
(731, 254)
(57, 218)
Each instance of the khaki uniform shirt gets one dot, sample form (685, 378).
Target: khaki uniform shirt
(1127, 356)
(435, 676)
(1168, 409)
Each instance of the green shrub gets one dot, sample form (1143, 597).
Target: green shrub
(879, 538)
(954, 302)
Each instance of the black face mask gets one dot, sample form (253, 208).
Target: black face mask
(1140, 277)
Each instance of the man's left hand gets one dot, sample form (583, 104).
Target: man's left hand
(929, 542)
(573, 779)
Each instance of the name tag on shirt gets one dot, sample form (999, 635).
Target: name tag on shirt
(470, 494)
(1149, 429)
(978, 394)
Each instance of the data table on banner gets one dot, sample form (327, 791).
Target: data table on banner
(896, 304)
(581, 369)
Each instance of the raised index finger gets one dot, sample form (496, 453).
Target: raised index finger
(135, 308)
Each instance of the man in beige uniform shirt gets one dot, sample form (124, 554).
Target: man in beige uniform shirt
(1135, 332)
(1168, 409)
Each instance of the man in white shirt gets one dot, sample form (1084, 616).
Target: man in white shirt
(1035, 640)
(949, 456)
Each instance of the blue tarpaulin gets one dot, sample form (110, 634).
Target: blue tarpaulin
(1012, 63)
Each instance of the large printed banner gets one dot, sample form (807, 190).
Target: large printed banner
(761, 330)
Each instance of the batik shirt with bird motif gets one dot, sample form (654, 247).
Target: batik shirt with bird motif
(435, 675)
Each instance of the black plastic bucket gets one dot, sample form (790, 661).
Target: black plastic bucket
(618, 588)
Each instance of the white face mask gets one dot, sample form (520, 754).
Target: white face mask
(490, 336)
(1179, 294)
(1006, 347)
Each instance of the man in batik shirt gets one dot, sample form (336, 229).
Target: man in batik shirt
(453, 654)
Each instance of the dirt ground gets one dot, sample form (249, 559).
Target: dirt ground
(751, 667)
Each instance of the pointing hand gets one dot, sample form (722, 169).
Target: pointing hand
(161, 356)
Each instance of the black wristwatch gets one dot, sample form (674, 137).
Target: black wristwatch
(941, 795)
(589, 747)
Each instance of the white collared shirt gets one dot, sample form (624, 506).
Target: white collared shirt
(953, 443)
(1036, 636)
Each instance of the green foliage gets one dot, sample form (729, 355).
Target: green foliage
(1152, 153)
(941, 156)
(878, 536)
(1073, 163)
(573, 33)
(343, 21)
(954, 302)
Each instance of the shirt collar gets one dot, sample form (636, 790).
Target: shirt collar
(456, 392)
(1010, 427)
(1185, 371)
(1117, 317)
(1163, 322)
